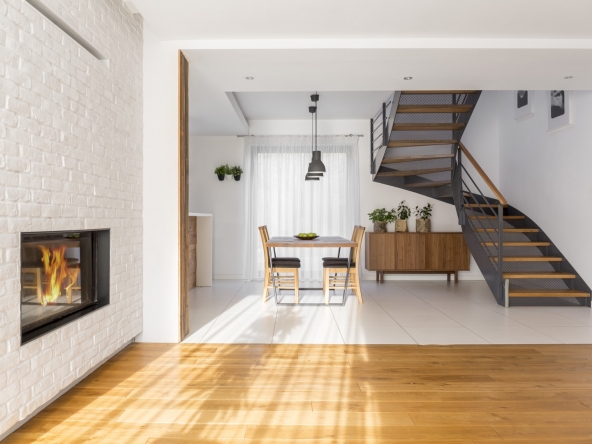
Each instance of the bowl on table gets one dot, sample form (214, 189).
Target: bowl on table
(304, 236)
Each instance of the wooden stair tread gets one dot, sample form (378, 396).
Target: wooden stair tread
(429, 184)
(518, 244)
(539, 275)
(413, 172)
(433, 109)
(454, 91)
(495, 217)
(532, 293)
(416, 158)
(477, 205)
(530, 259)
(509, 230)
(427, 126)
(409, 143)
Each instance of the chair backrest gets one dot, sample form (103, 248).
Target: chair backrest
(357, 237)
(264, 238)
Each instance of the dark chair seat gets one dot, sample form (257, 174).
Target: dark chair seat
(337, 263)
(275, 263)
(291, 259)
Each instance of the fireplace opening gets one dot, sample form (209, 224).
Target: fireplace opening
(64, 275)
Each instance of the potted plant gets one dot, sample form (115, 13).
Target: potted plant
(222, 171)
(403, 213)
(423, 223)
(236, 172)
(381, 217)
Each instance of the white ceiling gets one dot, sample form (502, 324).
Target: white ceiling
(342, 105)
(313, 19)
(360, 47)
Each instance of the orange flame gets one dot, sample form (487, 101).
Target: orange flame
(55, 267)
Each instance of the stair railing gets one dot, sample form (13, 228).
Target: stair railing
(470, 201)
(380, 130)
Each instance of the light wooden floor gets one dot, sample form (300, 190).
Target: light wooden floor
(327, 394)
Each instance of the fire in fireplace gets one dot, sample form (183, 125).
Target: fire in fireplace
(64, 275)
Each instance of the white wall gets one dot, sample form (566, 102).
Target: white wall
(546, 175)
(481, 138)
(161, 195)
(224, 199)
(372, 195)
(70, 159)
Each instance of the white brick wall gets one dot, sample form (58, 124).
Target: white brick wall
(70, 158)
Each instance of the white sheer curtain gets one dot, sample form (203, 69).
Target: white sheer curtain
(278, 196)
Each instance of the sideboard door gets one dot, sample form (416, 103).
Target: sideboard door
(380, 251)
(410, 251)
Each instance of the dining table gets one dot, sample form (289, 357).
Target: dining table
(318, 242)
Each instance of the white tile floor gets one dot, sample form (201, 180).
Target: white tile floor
(394, 312)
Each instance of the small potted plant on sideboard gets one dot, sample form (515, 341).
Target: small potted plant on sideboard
(236, 172)
(381, 217)
(403, 212)
(423, 223)
(222, 171)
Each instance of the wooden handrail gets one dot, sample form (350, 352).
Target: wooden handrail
(484, 176)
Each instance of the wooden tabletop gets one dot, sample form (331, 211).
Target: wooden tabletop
(319, 242)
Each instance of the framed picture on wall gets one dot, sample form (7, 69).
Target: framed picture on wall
(524, 104)
(558, 103)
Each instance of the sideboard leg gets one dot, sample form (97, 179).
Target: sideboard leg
(456, 277)
(448, 277)
(382, 276)
(377, 276)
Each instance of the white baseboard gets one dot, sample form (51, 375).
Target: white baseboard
(22, 422)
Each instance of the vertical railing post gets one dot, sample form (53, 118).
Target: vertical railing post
(384, 120)
(500, 247)
(372, 167)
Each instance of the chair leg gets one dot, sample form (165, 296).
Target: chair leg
(326, 285)
(265, 286)
(296, 285)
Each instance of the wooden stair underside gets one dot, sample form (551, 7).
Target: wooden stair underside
(429, 184)
(517, 244)
(477, 205)
(495, 217)
(413, 109)
(418, 158)
(548, 294)
(428, 126)
(454, 91)
(508, 230)
(413, 172)
(539, 275)
(529, 259)
(410, 143)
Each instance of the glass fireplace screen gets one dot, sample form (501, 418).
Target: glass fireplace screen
(56, 276)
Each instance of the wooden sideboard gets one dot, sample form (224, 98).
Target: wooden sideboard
(409, 253)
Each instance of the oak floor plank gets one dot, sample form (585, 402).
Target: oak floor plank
(166, 394)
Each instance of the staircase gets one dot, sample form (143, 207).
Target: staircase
(416, 145)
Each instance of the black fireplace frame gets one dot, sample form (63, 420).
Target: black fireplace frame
(101, 257)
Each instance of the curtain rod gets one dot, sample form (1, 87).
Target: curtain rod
(304, 135)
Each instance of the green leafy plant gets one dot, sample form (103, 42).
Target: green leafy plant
(222, 170)
(236, 170)
(382, 215)
(424, 213)
(403, 211)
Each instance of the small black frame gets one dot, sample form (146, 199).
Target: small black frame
(101, 257)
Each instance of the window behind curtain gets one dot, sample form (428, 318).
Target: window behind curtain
(278, 196)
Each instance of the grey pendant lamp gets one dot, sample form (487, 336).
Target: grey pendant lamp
(316, 168)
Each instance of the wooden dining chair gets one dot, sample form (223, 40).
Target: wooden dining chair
(335, 269)
(281, 265)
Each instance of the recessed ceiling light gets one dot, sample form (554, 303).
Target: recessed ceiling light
(250, 78)
(407, 78)
(568, 77)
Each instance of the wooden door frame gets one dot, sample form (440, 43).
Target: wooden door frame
(183, 195)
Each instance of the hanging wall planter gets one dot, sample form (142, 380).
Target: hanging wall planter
(236, 172)
(222, 171)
